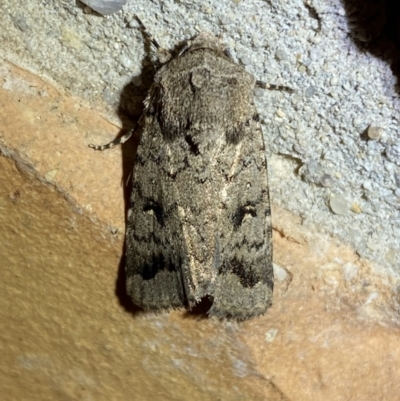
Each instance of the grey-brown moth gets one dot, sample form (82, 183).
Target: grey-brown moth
(199, 223)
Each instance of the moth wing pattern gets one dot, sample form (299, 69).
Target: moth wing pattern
(244, 284)
(155, 248)
(199, 223)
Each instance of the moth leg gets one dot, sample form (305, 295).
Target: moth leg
(264, 85)
(117, 141)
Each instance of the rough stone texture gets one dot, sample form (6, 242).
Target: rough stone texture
(52, 132)
(69, 332)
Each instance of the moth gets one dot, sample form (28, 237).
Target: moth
(199, 222)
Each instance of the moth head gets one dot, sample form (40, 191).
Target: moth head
(163, 55)
(206, 40)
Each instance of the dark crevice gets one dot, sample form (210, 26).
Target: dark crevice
(375, 28)
(312, 12)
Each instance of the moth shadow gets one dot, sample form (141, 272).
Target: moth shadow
(129, 109)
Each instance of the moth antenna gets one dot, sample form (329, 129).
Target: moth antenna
(148, 34)
(163, 54)
(265, 85)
